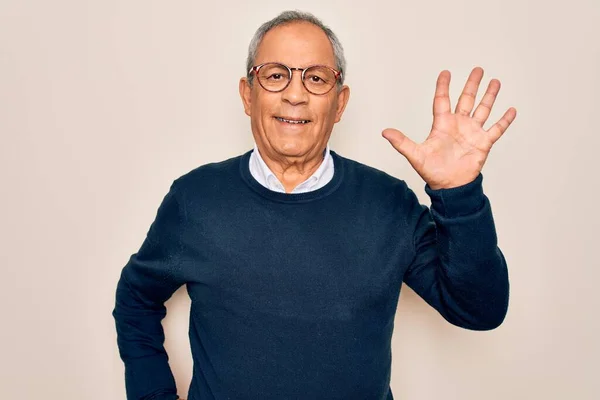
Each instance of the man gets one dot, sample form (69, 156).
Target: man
(294, 255)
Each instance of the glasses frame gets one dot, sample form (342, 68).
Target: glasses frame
(257, 68)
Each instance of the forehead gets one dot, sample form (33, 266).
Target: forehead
(297, 44)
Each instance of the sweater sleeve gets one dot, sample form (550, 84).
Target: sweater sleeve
(147, 281)
(457, 266)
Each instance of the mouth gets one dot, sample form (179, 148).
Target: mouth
(295, 121)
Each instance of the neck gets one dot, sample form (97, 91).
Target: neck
(291, 171)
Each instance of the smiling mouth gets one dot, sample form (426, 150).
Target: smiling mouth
(293, 121)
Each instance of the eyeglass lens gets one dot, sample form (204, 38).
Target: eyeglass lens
(317, 79)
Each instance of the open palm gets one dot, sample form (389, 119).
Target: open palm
(457, 146)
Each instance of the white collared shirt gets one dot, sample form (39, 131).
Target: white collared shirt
(263, 174)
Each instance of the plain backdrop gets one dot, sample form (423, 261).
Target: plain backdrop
(104, 103)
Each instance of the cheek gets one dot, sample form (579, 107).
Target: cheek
(264, 107)
(328, 111)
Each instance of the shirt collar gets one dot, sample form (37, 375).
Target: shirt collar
(267, 176)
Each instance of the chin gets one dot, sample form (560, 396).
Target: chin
(284, 144)
(292, 150)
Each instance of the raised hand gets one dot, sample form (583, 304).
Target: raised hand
(457, 146)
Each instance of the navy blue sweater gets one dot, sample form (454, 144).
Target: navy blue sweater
(293, 296)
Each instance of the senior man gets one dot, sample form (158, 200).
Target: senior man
(293, 255)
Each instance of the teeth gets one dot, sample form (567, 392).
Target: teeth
(292, 122)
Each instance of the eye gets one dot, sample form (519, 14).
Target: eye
(316, 78)
(274, 76)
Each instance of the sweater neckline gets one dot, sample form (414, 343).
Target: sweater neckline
(330, 187)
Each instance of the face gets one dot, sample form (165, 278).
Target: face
(298, 44)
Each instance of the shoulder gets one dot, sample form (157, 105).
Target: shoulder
(372, 179)
(381, 192)
(209, 174)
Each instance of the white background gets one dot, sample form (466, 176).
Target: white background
(104, 103)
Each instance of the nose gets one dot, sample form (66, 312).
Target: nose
(295, 93)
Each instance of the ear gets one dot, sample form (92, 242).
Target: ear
(246, 94)
(343, 95)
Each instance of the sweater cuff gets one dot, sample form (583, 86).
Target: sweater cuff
(150, 378)
(165, 396)
(457, 201)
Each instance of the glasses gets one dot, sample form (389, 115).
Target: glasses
(275, 77)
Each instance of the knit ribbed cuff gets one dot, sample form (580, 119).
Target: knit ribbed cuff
(165, 396)
(458, 201)
(150, 378)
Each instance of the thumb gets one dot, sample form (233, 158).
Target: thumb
(401, 142)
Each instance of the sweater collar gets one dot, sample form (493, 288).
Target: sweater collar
(327, 189)
(265, 176)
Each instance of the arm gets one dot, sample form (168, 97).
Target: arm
(457, 267)
(148, 280)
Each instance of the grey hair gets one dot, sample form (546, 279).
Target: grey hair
(287, 17)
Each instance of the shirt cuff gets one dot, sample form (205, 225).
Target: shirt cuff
(457, 201)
